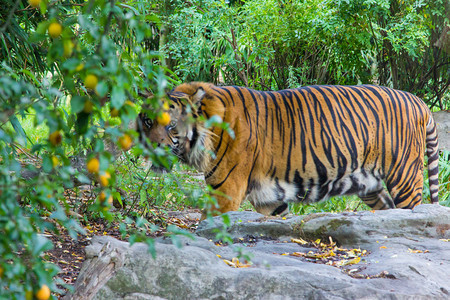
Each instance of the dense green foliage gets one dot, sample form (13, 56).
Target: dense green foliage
(284, 44)
(64, 84)
(52, 111)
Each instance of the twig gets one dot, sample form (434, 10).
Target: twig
(138, 193)
(233, 43)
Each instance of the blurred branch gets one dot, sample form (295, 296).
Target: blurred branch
(110, 15)
(30, 8)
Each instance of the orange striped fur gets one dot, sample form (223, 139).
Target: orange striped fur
(304, 144)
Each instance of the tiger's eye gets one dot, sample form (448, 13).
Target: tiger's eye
(148, 122)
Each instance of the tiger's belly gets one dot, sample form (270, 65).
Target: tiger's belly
(269, 194)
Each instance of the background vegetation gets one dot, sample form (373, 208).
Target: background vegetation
(283, 44)
(67, 98)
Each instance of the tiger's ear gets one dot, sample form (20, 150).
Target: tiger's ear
(198, 96)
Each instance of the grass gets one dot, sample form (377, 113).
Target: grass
(333, 205)
(34, 134)
(150, 191)
(444, 178)
(39, 133)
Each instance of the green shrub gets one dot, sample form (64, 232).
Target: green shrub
(273, 45)
(53, 107)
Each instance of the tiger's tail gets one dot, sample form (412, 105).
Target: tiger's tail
(433, 160)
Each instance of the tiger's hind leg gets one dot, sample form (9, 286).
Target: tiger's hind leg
(378, 199)
(273, 209)
(270, 197)
(407, 193)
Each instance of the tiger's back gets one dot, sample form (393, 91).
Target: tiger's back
(315, 142)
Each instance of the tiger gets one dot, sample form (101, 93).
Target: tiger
(302, 145)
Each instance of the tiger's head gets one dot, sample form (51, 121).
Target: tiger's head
(184, 135)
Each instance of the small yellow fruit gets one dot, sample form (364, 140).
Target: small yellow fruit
(1, 271)
(55, 161)
(114, 112)
(88, 106)
(91, 81)
(93, 165)
(68, 48)
(34, 3)
(166, 106)
(163, 119)
(55, 138)
(104, 178)
(55, 30)
(102, 198)
(130, 103)
(79, 67)
(125, 142)
(43, 293)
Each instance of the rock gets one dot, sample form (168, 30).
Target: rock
(442, 119)
(367, 227)
(348, 228)
(191, 215)
(408, 257)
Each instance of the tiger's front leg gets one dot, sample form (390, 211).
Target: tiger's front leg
(229, 192)
(225, 203)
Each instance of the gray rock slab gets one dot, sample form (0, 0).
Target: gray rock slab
(411, 248)
(442, 119)
(348, 228)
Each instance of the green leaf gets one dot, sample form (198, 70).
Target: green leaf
(82, 123)
(77, 104)
(35, 148)
(43, 7)
(151, 247)
(18, 129)
(71, 64)
(132, 239)
(118, 197)
(47, 164)
(117, 96)
(102, 89)
(59, 215)
(226, 219)
(40, 244)
(83, 178)
(143, 196)
(99, 145)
